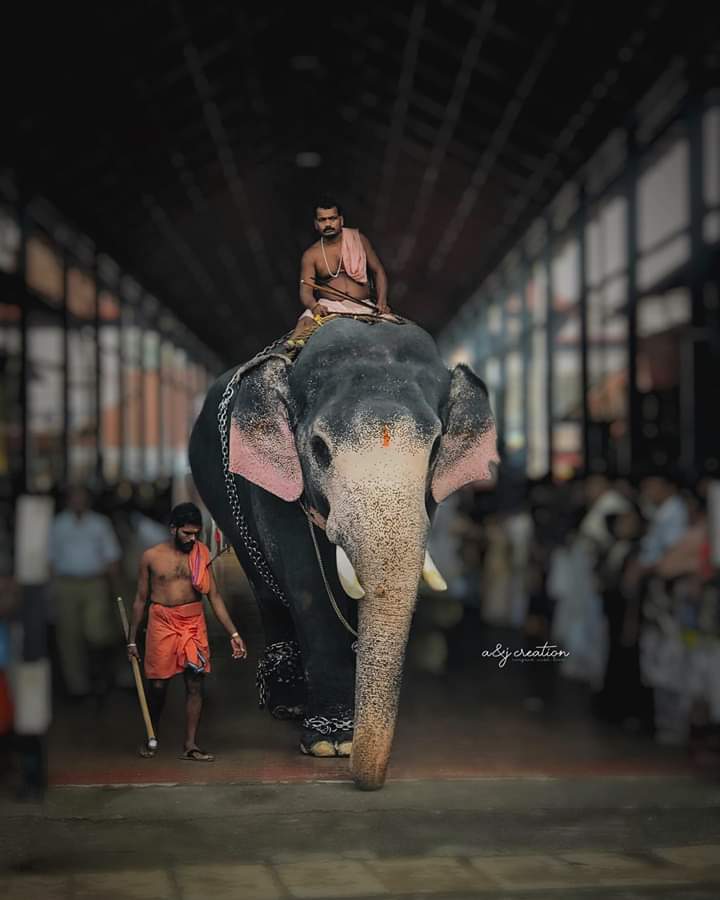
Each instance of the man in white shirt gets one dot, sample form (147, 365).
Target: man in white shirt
(84, 555)
(669, 520)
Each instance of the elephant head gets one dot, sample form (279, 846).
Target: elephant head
(374, 431)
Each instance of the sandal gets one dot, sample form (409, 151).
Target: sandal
(146, 752)
(197, 755)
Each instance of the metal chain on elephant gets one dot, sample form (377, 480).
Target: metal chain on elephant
(280, 661)
(250, 544)
(327, 726)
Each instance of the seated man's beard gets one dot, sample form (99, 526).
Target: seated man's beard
(184, 546)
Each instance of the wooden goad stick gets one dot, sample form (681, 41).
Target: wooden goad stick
(151, 739)
(343, 296)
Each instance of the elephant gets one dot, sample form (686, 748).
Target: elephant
(324, 473)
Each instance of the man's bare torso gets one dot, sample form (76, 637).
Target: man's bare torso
(342, 281)
(170, 581)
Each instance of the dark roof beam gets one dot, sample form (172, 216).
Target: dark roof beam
(456, 150)
(500, 138)
(160, 85)
(258, 101)
(183, 250)
(228, 164)
(522, 208)
(178, 106)
(434, 109)
(445, 133)
(199, 203)
(453, 52)
(400, 111)
(498, 29)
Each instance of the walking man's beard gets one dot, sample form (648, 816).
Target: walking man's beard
(184, 547)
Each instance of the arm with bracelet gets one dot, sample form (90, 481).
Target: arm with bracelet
(239, 650)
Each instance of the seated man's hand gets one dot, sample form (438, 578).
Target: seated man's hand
(320, 310)
(383, 309)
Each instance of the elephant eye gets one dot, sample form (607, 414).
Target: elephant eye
(320, 451)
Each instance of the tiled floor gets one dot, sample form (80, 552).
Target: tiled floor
(333, 878)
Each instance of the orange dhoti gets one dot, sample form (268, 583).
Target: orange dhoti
(177, 639)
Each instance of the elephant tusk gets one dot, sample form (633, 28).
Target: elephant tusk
(432, 576)
(347, 576)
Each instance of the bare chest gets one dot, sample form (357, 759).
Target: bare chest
(171, 571)
(328, 262)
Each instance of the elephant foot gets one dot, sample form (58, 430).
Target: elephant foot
(281, 682)
(325, 748)
(328, 735)
(319, 748)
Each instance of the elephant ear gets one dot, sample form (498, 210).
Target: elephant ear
(262, 446)
(468, 445)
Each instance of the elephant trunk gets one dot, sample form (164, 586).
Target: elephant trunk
(390, 579)
(381, 651)
(378, 516)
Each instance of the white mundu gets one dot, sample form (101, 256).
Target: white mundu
(33, 518)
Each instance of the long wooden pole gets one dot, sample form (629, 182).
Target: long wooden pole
(343, 296)
(327, 287)
(151, 739)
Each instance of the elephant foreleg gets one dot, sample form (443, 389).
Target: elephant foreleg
(280, 680)
(326, 651)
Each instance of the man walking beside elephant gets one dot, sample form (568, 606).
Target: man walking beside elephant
(173, 577)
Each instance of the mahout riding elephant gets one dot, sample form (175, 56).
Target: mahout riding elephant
(324, 474)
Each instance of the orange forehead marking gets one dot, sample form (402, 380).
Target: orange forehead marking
(386, 436)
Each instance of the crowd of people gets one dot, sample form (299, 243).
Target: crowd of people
(619, 573)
